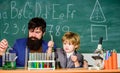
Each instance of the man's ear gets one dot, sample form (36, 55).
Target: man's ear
(43, 34)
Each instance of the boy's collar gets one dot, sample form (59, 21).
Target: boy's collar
(69, 54)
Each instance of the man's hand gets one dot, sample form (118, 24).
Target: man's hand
(3, 46)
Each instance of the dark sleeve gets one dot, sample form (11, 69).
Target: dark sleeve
(55, 47)
(56, 54)
(0, 61)
(58, 51)
(80, 59)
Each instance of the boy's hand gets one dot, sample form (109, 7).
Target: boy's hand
(3, 46)
(75, 60)
(85, 64)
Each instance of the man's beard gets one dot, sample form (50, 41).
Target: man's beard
(35, 44)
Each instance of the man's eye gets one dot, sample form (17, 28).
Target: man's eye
(37, 32)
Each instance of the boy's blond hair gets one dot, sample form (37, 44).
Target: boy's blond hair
(72, 38)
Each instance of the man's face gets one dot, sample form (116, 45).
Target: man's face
(68, 46)
(35, 34)
(35, 39)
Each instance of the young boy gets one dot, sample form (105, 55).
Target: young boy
(68, 56)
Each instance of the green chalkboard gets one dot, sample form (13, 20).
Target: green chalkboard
(91, 19)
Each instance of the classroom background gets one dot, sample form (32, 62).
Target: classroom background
(91, 19)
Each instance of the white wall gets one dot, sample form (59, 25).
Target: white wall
(91, 61)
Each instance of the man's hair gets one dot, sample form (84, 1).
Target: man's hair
(72, 38)
(37, 22)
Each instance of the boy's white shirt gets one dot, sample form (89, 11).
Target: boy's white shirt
(69, 54)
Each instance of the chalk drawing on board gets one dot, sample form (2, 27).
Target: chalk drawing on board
(97, 15)
(98, 31)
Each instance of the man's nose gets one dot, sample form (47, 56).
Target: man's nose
(33, 35)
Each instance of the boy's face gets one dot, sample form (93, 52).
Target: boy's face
(68, 46)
